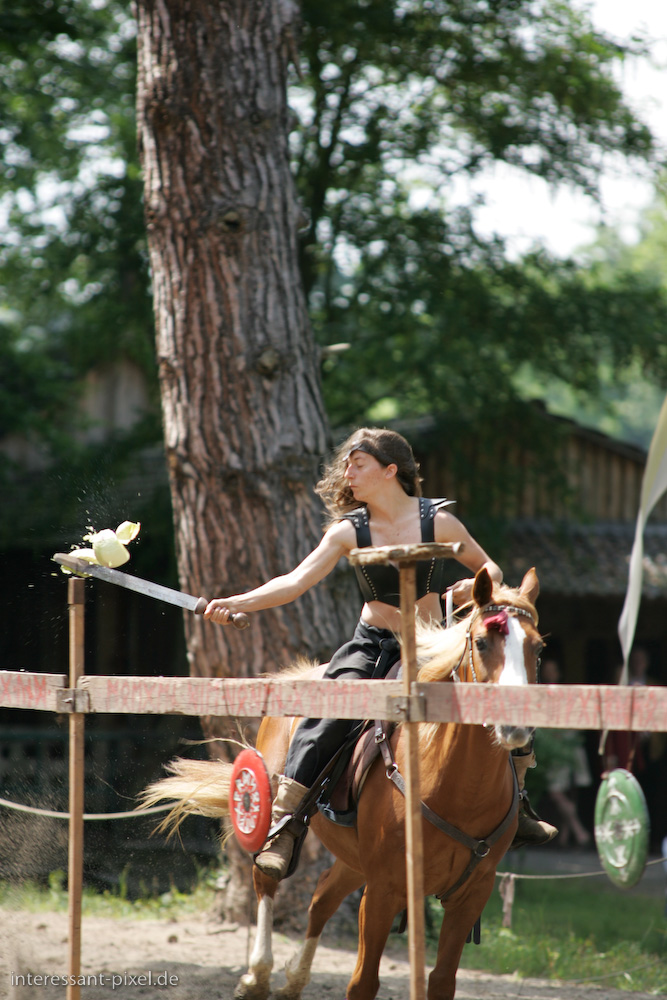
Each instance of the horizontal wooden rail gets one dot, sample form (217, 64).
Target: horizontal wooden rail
(560, 706)
(20, 689)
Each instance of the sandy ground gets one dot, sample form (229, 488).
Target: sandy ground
(201, 959)
(195, 957)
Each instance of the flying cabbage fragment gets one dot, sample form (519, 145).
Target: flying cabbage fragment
(108, 546)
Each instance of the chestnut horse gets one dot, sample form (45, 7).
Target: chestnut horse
(466, 778)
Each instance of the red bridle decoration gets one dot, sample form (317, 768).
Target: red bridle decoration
(499, 621)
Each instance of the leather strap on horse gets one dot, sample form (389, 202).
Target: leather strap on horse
(478, 848)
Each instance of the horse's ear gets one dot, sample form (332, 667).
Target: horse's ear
(530, 586)
(482, 587)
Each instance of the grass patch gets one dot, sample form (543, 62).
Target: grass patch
(577, 930)
(111, 903)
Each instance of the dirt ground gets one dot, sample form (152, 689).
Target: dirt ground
(197, 958)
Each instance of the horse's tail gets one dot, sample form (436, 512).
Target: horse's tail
(198, 787)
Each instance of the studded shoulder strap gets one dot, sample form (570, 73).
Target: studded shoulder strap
(359, 518)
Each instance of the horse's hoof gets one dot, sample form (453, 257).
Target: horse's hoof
(290, 991)
(249, 988)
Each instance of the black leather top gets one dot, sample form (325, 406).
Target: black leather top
(381, 582)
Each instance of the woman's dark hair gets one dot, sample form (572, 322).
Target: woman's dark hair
(387, 447)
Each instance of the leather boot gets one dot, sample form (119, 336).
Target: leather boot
(532, 831)
(274, 858)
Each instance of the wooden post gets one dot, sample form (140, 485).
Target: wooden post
(75, 599)
(414, 847)
(407, 557)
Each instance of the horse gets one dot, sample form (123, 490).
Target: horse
(466, 778)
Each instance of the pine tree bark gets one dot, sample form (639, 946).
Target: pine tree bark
(244, 423)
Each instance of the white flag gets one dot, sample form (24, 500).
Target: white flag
(654, 485)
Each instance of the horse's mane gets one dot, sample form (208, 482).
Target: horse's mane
(439, 649)
(293, 670)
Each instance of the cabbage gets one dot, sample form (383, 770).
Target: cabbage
(108, 546)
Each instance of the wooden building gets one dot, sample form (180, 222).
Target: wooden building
(580, 539)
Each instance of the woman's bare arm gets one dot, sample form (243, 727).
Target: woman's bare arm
(337, 542)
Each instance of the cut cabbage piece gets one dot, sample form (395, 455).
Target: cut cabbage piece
(128, 531)
(108, 548)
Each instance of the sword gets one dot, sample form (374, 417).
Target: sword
(196, 604)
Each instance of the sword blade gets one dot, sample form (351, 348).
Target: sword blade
(155, 590)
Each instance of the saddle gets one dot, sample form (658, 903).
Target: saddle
(340, 796)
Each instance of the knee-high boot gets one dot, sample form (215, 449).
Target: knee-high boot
(532, 831)
(275, 857)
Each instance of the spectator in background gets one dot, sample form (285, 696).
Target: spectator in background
(567, 770)
(638, 664)
(628, 749)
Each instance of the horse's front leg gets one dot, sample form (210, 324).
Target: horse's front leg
(255, 984)
(333, 886)
(376, 915)
(457, 923)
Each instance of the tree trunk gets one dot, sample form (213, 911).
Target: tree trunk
(244, 423)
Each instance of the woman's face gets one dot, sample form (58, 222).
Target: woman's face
(366, 475)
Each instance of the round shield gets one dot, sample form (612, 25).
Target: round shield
(250, 800)
(622, 827)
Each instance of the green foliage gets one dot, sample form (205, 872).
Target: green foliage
(572, 930)
(450, 87)
(112, 903)
(73, 264)
(393, 101)
(74, 290)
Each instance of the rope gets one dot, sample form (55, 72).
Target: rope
(60, 815)
(158, 809)
(549, 878)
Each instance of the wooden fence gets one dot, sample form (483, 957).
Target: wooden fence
(556, 706)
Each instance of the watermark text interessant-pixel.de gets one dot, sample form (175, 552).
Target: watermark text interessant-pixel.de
(114, 980)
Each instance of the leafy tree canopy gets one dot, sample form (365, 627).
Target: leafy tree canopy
(629, 272)
(392, 100)
(72, 261)
(395, 101)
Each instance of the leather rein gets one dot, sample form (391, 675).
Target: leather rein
(479, 848)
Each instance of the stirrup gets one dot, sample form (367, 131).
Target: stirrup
(297, 827)
(536, 831)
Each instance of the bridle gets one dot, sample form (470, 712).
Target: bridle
(501, 612)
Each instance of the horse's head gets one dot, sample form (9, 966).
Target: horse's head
(503, 644)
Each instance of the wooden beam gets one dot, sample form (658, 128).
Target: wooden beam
(76, 600)
(557, 706)
(19, 689)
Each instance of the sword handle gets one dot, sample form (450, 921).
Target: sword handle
(239, 620)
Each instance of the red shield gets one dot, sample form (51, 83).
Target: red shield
(250, 800)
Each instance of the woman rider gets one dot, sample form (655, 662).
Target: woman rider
(373, 496)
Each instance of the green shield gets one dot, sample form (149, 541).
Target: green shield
(622, 827)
